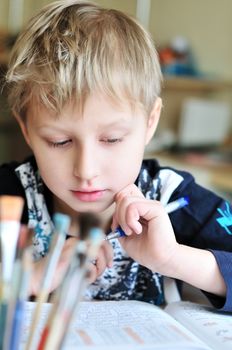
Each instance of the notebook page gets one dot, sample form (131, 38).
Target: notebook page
(215, 328)
(123, 325)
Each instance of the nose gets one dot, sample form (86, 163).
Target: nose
(86, 166)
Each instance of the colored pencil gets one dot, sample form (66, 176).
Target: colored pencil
(74, 284)
(18, 273)
(25, 276)
(10, 214)
(62, 223)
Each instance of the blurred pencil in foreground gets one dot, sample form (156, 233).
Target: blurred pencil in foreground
(19, 289)
(22, 296)
(10, 214)
(61, 223)
(74, 284)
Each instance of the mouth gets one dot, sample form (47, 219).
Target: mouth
(89, 196)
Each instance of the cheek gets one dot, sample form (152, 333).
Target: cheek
(52, 171)
(124, 168)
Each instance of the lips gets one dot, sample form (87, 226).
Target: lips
(89, 196)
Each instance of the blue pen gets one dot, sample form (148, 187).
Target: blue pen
(170, 207)
(177, 204)
(115, 234)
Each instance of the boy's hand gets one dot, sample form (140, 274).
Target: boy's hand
(103, 260)
(40, 267)
(150, 238)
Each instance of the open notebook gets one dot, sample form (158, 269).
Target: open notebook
(128, 325)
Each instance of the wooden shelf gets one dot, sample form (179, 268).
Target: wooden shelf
(194, 84)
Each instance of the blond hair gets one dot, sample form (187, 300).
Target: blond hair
(72, 48)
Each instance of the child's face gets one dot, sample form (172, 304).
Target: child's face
(86, 158)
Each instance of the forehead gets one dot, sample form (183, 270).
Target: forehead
(97, 106)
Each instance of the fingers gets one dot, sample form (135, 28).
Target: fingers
(127, 219)
(92, 273)
(108, 253)
(129, 191)
(133, 210)
(126, 215)
(67, 252)
(103, 260)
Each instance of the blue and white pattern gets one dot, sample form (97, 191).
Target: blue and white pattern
(126, 279)
(39, 218)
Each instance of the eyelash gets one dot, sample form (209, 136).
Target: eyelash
(60, 143)
(111, 141)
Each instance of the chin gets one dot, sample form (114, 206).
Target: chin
(91, 207)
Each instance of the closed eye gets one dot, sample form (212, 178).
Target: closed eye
(111, 141)
(60, 143)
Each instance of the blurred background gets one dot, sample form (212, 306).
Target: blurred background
(193, 39)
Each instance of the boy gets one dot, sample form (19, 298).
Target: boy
(84, 86)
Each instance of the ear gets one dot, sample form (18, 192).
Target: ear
(23, 127)
(153, 119)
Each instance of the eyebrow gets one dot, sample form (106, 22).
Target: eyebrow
(121, 123)
(118, 124)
